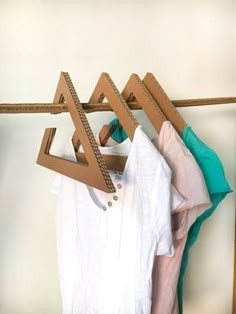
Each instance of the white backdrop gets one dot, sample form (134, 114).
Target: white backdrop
(190, 46)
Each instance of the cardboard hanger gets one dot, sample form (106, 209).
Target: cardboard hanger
(164, 102)
(135, 90)
(105, 133)
(106, 88)
(93, 171)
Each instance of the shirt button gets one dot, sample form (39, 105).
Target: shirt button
(117, 177)
(104, 207)
(119, 186)
(115, 198)
(109, 203)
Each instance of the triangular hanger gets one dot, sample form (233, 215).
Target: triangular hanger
(135, 90)
(105, 133)
(163, 106)
(164, 102)
(94, 172)
(106, 88)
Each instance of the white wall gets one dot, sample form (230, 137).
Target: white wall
(189, 45)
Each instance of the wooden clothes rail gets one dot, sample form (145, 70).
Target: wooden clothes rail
(60, 108)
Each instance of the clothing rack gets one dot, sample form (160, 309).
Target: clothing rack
(54, 108)
(57, 108)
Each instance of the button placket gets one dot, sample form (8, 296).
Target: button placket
(114, 200)
(117, 177)
(119, 186)
(116, 196)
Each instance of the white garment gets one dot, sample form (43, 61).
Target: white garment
(106, 257)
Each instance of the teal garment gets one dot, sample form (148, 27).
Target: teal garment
(216, 182)
(119, 134)
(217, 186)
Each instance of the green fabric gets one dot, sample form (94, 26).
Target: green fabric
(119, 134)
(217, 186)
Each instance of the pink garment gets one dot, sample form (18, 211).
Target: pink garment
(187, 178)
(175, 309)
(189, 182)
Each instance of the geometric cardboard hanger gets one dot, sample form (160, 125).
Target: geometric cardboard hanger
(159, 109)
(105, 88)
(94, 172)
(136, 91)
(164, 102)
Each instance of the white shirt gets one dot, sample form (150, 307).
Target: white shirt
(106, 256)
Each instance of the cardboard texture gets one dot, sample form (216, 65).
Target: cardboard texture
(163, 107)
(16, 108)
(135, 90)
(164, 102)
(106, 88)
(94, 172)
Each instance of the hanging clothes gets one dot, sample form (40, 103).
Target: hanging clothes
(218, 188)
(107, 243)
(189, 181)
(119, 134)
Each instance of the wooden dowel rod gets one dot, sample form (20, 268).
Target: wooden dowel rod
(59, 108)
(204, 101)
